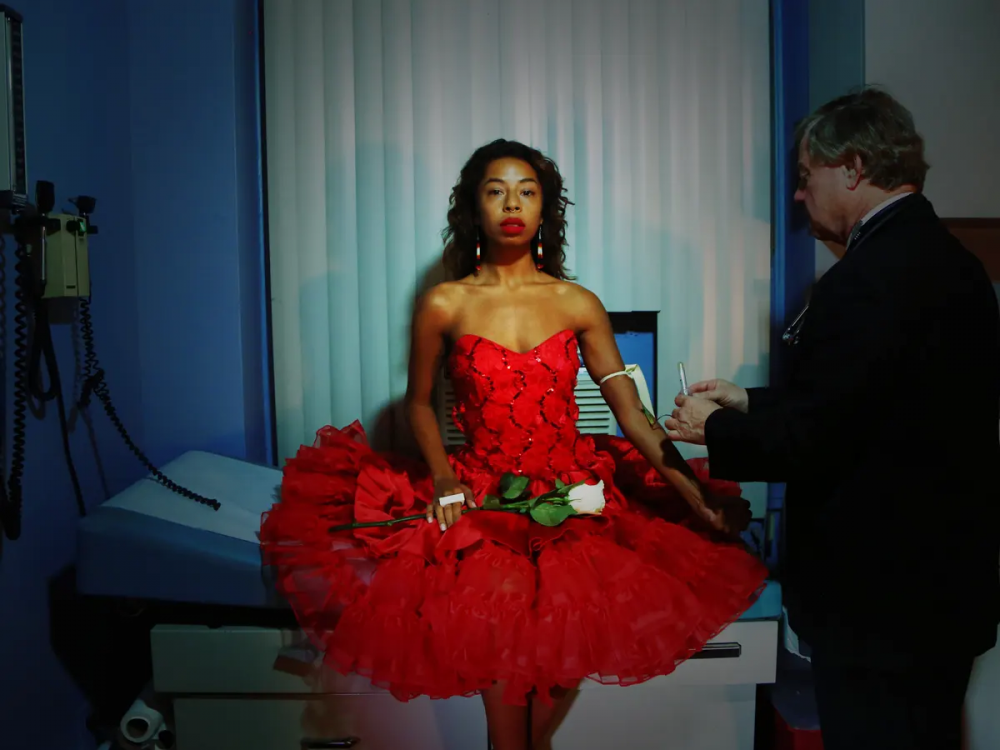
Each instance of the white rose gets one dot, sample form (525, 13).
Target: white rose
(587, 498)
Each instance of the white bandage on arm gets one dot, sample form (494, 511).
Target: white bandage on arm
(606, 378)
(635, 374)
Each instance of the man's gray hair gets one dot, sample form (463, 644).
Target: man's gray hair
(873, 126)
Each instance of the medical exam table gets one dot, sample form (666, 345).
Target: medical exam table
(241, 677)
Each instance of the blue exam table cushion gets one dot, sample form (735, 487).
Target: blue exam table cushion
(150, 543)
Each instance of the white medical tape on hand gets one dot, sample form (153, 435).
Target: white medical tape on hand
(451, 499)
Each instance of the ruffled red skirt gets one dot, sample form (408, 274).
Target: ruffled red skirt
(619, 598)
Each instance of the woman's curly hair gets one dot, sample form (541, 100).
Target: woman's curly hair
(462, 232)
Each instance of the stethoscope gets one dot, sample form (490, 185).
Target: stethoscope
(791, 335)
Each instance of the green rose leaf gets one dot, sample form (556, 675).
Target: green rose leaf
(505, 482)
(513, 486)
(549, 514)
(560, 484)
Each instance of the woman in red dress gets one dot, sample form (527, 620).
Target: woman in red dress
(494, 602)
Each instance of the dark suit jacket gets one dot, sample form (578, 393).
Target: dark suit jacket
(887, 436)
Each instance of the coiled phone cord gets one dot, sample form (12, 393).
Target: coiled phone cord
(10, 510)
(96, 385)
(28, 381)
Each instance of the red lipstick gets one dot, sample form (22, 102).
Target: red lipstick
(512, 226)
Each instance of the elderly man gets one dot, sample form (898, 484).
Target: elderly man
(886, 434)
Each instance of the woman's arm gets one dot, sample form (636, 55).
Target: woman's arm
(431, 323)
(601, 357)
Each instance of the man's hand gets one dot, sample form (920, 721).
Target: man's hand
(687, 423)
(723, 393)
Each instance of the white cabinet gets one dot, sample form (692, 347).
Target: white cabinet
(661, 717)
(228, 693)
(323, 721)
(706, 704)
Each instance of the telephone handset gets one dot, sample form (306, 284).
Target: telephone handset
(51, 252)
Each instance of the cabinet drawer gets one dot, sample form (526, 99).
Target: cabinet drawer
(239, 660)
(242, 660)
(661, 717)
(745, 653)
(378, 722)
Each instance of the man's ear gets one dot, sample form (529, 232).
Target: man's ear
(854, 172)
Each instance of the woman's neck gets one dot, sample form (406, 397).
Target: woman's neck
(509, 265)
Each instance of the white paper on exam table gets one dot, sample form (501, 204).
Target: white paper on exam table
(244, 491)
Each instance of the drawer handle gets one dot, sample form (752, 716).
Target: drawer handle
(329, 744)
(720, 651)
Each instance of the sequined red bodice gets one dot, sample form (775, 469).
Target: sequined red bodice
(517, 409)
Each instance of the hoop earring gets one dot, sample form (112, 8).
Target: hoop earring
(539, 254)
(479, 259)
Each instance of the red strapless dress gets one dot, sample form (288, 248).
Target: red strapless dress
(620, 598)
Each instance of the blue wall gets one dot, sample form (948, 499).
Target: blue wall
(195, 179)
(151, 108)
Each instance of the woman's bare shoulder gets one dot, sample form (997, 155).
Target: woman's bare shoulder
(439, 303)
(581, 299)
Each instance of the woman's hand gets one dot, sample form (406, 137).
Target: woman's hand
(724, 513)
(447, 515)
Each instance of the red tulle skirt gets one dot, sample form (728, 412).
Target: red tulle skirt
(619, 598)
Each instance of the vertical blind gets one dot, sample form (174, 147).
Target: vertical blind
(657, 113)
